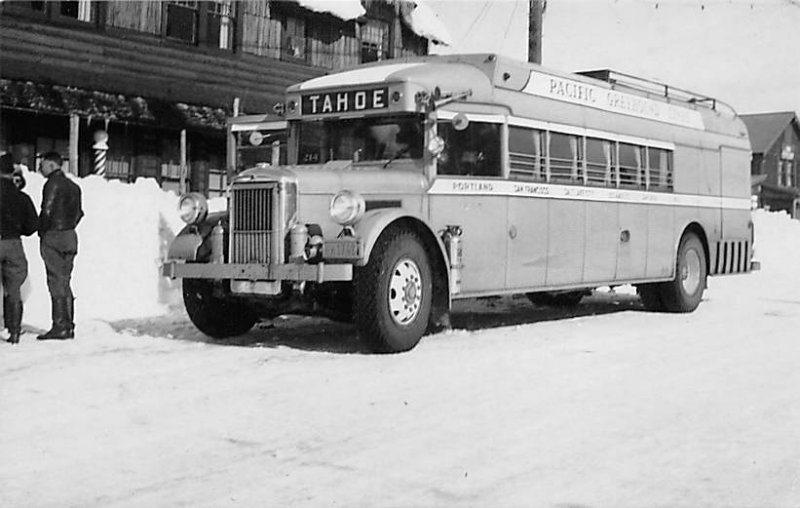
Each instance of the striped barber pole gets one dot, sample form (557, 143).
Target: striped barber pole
(99, 161)
(100, 149)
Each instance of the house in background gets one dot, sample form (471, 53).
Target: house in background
(158, 79)
(775, 167)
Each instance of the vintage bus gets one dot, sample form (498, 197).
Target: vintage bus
(412, 183)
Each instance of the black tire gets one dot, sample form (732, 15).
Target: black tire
(216, 316)
(684, 292)
(651, 296)
(391, 321)
(567, 299)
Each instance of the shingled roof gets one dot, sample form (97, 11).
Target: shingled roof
(764, 128)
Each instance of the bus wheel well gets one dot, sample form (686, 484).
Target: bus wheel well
(698, 230)
(440, 306)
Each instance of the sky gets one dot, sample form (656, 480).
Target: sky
(738, 51)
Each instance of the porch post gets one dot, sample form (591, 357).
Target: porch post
(74, 123)
(183, 162)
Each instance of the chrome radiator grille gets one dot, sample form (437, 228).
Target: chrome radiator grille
(253, 223)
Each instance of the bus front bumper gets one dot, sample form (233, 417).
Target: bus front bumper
(319, 272)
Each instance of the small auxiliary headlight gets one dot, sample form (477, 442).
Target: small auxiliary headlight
(193, 207)
(347, 207)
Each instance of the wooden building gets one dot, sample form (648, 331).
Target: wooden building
(775, 169)
(159, 78)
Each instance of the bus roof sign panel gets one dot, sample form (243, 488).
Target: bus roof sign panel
(585, 94)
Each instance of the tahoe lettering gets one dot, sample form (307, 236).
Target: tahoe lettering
(344, 102)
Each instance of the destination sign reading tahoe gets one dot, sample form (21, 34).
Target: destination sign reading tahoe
(344, 102)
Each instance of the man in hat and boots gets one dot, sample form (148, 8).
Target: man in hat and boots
(61, 211)
(17, 218)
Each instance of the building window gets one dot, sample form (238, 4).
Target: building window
(374, 41)
(34, 6)
(182, 21)
(786, 173)
(294, 38)
(80, 10)
(220, 24)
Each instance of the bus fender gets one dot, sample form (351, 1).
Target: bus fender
(370, 227)
(192, 243)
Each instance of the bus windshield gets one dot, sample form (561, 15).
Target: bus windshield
(361, 139)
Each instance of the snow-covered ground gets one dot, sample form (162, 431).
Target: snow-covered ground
(606, 406)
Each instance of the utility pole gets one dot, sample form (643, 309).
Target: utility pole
(536, 11)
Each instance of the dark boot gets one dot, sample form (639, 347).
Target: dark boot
(13, 318)
(6, 304)
(71, 316)
(60, 330)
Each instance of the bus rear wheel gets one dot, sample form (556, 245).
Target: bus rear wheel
(216, 316)
(684, 292)
(393, 293)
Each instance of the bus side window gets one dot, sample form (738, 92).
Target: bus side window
(563, 158)
(474, 151)
(659, 168)
(525, 153)
(630, 165)
(599, 162)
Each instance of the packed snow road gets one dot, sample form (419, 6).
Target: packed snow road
(611, 407)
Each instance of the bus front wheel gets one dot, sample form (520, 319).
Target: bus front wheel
(216, 316)
(393, 293)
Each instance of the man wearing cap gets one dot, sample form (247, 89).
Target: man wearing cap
(60, 214)
(17, 218)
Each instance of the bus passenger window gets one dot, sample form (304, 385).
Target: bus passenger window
(630, 165)
(599, 162)
(563, 158)
(525, 153)
(659, 164)
(474, 151)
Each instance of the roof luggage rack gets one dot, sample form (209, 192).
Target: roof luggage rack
(651, 88)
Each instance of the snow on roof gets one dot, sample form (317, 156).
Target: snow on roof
(423, 21)
(344, 9)
(420, 18)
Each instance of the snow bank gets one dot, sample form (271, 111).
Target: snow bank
(121, 241)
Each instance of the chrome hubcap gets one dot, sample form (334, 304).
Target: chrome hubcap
(690, 272)
(405, 292)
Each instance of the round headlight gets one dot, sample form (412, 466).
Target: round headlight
(347, 207)
(193, 208)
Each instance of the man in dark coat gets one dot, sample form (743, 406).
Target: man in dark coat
(17, 218)
(61, 212)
